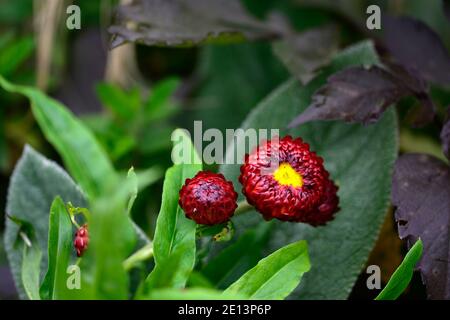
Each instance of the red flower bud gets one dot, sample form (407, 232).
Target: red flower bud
(208, 198)
(297, 189)
(81, 240)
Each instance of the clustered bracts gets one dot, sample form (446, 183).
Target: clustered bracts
(297, 188)
(81, 240)
(208, 198)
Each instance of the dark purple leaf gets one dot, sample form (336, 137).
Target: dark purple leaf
(445, 135)
(356, 94)
(446, 4)
(303, 54)
(426, 110)
(190, 22)
(417, 47)
(424, 113)
(421, 194)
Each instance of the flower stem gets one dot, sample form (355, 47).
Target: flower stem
(145, 253)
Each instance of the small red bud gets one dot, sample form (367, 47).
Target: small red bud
(208, 198)
(81, 240)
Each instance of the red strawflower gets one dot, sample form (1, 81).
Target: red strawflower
(297, 188)
(81, 240)
(208, 198)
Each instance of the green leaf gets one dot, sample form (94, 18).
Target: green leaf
(14, 54)
(159, 105)
(167, 274)
(32, 256)
(192, 294)
(175, 234)
(135, 183)
(360, 159)
(231, 262)
(140, 180)
(60, 252)
(34, 184)
(4, 152)
(403, 275)
(123, 104)
(132, 177)
(112, 240)
(82, 154)
(275, 276)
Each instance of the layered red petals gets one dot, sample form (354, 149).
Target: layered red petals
(208, 198)
(310, 198)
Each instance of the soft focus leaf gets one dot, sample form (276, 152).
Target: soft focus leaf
(421, 193)
(14, 54)
(137, 182)
(34, 184)
(189, 22)
(403, 275)
(251, 65)
(234, 260)
(132, 177)
(159, 105)
(275, 276)
(192, 294)
(175, 234)
(303, 54)
(32, 256)
(446, 5)
(445, 135)
(60, 251)
(416, 46)
(112, 240)
(4, 152)
(82, 155)
(123, 104)
(359, 159)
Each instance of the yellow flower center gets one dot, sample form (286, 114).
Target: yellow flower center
(285, 175)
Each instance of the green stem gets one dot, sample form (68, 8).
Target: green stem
(145, 253)
(243, 207)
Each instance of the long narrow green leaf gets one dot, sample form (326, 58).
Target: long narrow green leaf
(175, 234)
(82, 154)
(60, 248)
(32, 257)
(403, 275)
(275, 276)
